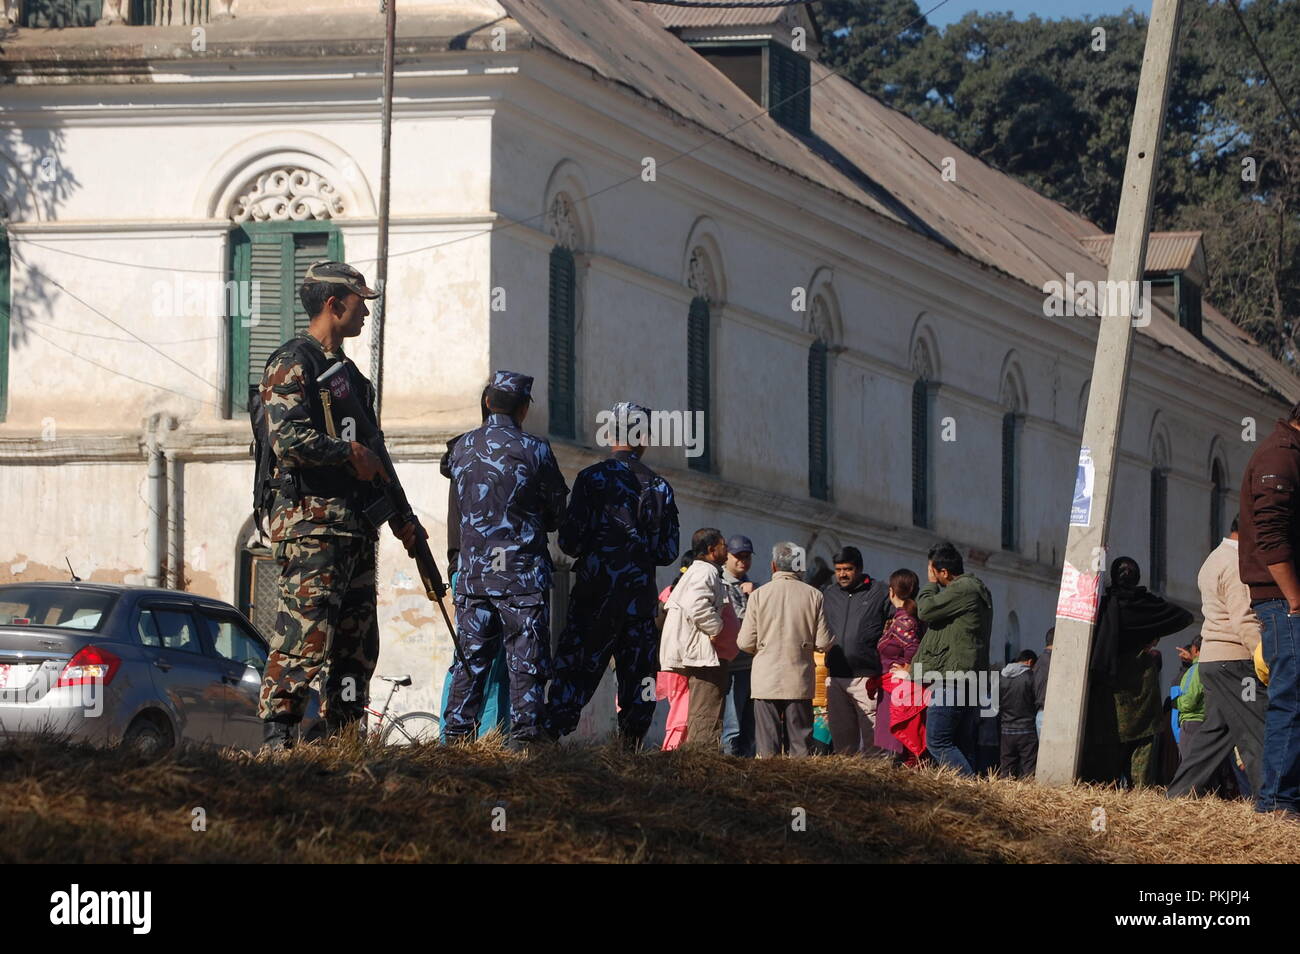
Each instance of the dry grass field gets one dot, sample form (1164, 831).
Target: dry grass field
(341, 801)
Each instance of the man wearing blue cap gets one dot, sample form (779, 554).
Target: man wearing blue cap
(738, 717)
(620, 525)
(510, 494)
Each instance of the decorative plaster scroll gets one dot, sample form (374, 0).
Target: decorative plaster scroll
(288, 195)
(921, 361)
(700, 274)
(562, 222)
(820, 319)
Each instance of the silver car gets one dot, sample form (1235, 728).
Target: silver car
(108, 664)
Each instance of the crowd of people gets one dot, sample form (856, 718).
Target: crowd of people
(884, 667)
(856, 665)
(888, 667)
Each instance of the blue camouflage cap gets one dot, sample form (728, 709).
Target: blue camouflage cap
(512, 382)
(627, 409)
(740, 544)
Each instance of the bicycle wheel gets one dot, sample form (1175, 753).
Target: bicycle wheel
(413, 728)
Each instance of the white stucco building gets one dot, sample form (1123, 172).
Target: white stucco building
(591, 194)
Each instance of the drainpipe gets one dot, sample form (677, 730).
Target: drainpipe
(156, 496)
(175, 520)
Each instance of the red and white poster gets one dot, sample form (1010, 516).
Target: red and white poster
(1080, 592)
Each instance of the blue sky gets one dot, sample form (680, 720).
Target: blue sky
(954, 10)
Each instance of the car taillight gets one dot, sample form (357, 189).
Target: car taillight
(93, 664)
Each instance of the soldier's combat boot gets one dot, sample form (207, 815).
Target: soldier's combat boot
(278, 736)
(345, 722)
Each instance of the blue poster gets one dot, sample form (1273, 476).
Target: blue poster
(1081, 507)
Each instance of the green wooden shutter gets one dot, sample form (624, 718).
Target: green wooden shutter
(1159, 491)
(1187, 304)
(1216, 505)
(562, 345)
(268, 331)
(4, 323)
(699, 362)
(307, 248)
(920, 454)
(818, 404)
(1009, 488)
(275, 257)
(789, 96)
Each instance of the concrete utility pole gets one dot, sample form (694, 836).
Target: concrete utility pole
(1085, 551)
(385, 162)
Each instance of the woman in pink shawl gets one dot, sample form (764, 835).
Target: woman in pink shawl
(673, 685)
(897, 646)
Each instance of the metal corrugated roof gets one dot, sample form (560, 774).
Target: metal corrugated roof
(1166, 251)
(674, 17)
(880, 159)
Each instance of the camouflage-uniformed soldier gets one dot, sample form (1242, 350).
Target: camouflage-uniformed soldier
(620, 525)
(511, 494)
(325, 549)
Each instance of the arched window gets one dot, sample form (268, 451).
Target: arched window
(257, 584)
(562, 336)
(1011, 426)
(699, 350)
(1159, 513)
(822, 323)
(282, 223)
(1218, 504)
(922, 401)
(561, 359)
(698, 371)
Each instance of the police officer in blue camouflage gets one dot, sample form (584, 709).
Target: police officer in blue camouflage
(510, 493)
(620, 525)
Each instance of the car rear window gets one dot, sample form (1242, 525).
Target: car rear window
(63, 607)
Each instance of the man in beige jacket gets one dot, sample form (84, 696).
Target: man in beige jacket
(1235, 700)
(784, 622)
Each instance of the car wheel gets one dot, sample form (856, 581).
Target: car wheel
(146, 737)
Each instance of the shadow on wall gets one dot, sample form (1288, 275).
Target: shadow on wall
(34, 182)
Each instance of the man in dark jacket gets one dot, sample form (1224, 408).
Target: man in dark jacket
(856, 608)
(1124, 696)
(1269, 543)
(1017, 706)
(1041, 670)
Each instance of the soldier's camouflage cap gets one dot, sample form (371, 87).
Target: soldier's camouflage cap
(512, 382)
(339, 273)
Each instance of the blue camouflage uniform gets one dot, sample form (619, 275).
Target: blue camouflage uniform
(621, 523)
(511, 494)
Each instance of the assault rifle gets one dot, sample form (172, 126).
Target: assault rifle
(390, 505)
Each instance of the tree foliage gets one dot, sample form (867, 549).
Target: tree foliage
(1051, 103)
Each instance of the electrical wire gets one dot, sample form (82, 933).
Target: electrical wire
(1268, 73)
(120, 374)
(578, 201)
(116, 324)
